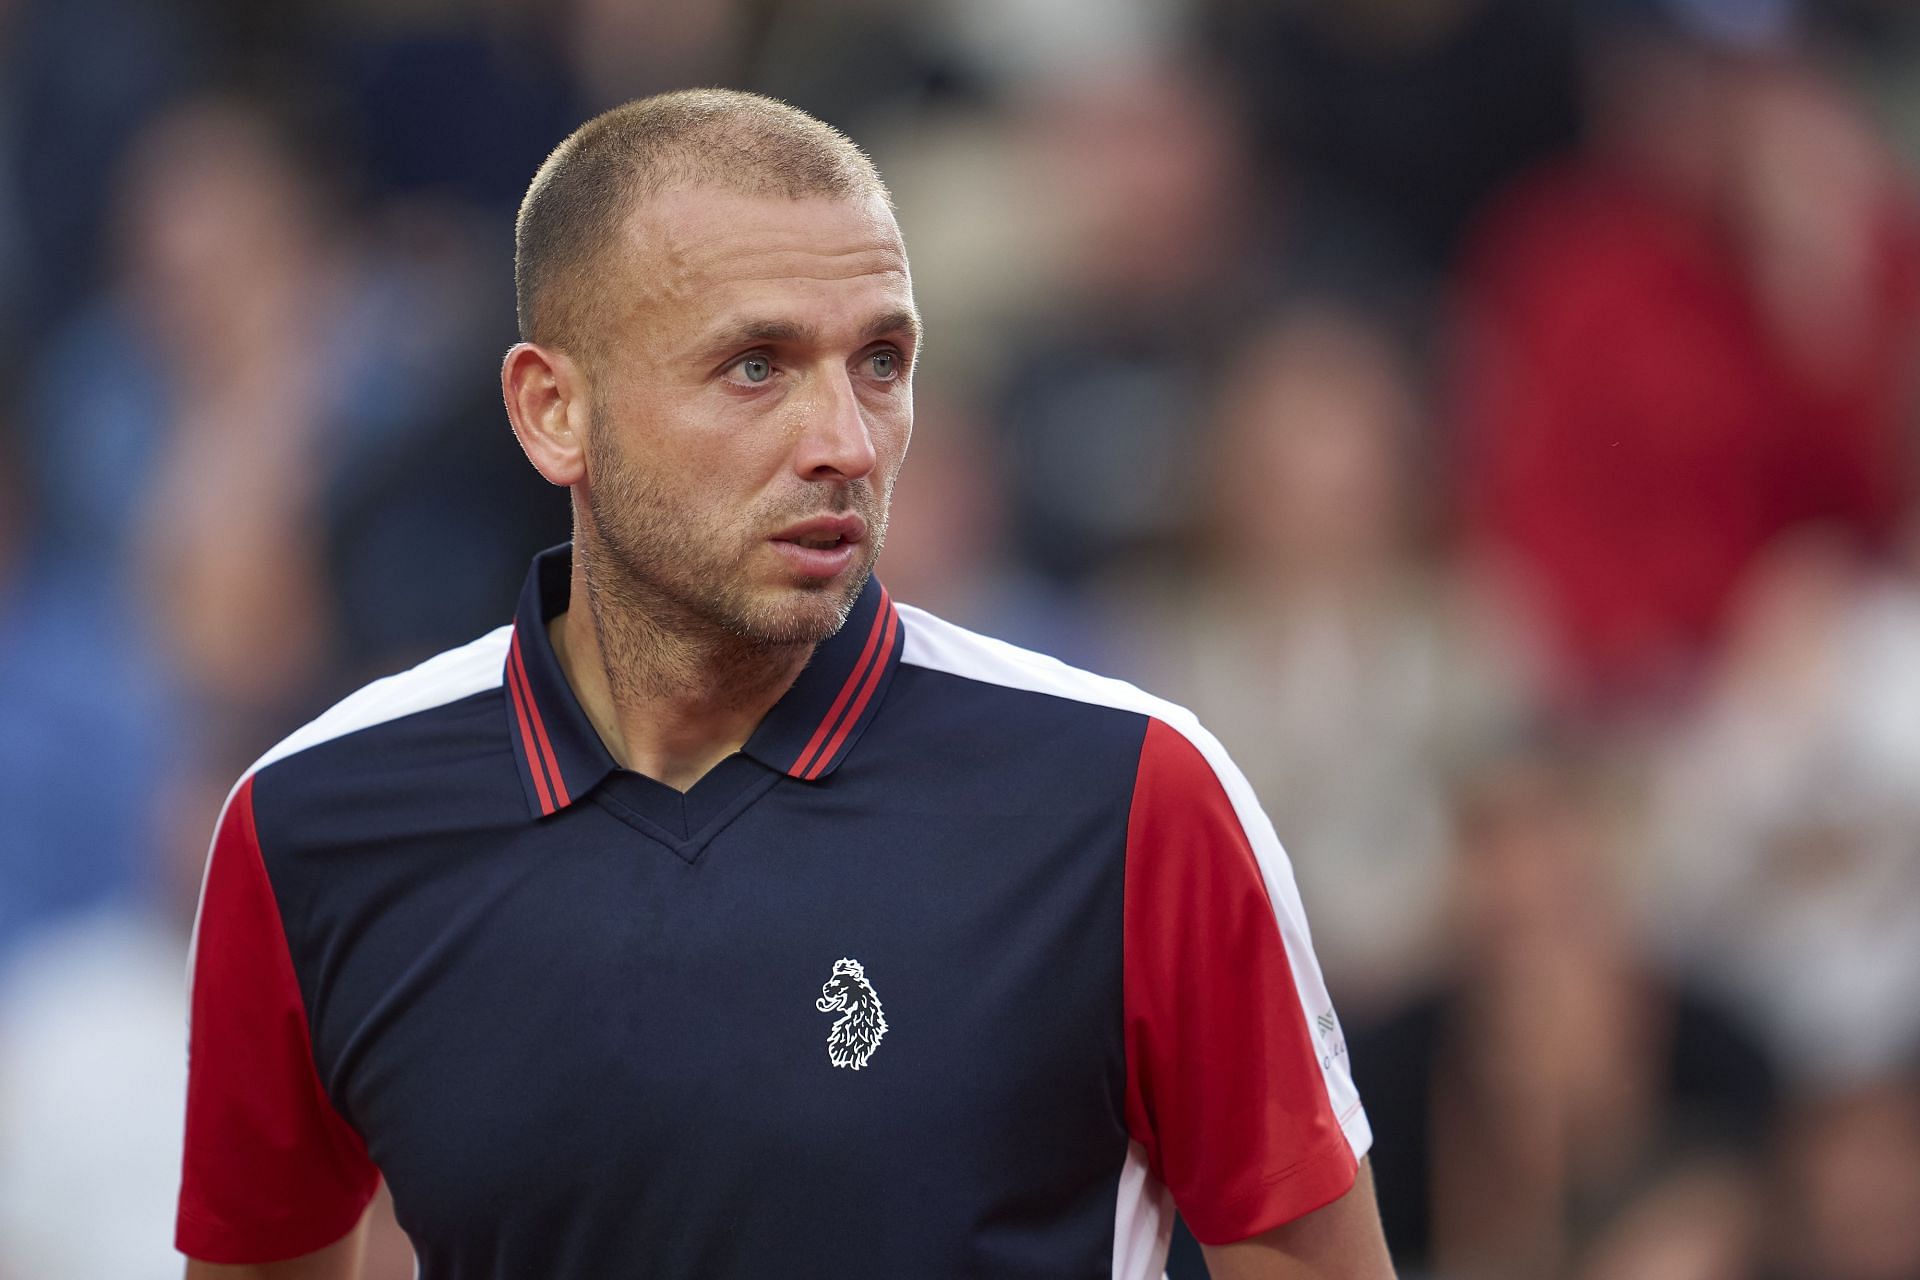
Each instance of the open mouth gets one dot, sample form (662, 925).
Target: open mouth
(824, 533)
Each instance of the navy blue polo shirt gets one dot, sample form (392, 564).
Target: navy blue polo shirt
(968, 963)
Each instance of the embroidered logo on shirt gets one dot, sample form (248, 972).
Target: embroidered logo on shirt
(856, 1032)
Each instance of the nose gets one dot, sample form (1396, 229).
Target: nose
(834, 442)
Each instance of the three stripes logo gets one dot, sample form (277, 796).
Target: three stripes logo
(1334, 1043)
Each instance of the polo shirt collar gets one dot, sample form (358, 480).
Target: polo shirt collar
(806, 735)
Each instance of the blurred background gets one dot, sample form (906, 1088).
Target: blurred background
(1494, 417)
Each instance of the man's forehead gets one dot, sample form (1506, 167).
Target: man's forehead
(697, 237)
(698, 263)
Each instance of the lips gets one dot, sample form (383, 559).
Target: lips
(824, 533)
(821, 548)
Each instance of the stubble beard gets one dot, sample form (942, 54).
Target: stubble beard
(670, 588)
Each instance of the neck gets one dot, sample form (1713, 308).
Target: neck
(671, 696)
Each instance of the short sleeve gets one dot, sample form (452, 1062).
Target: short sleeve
(1237, 1082)
(271, 1170)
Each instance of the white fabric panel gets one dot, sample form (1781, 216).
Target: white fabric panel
(445, 677)
(1142, 1221)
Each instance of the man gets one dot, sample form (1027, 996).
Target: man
(721, 917)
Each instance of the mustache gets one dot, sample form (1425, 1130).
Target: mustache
(835, 498)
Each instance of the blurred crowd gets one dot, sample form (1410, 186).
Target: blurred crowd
(1495, 418)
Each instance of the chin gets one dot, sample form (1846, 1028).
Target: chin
(805, 613)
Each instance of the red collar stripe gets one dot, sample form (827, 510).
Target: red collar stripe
(540, 761)
(854, 679)
(560, 797)
(869, 680)
(526, 732)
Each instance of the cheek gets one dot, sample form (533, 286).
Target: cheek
(892, 433)
(718, 448)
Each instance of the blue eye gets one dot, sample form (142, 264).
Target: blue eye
(755, 368)
(886, 365)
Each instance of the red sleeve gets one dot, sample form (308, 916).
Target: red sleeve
(1227, 1081)
(271, 1170)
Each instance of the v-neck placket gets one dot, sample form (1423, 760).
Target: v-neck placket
(807, 734)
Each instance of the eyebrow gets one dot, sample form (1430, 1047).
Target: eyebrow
(903, 321)
(749, 333)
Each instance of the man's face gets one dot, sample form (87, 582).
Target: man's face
(751, 402)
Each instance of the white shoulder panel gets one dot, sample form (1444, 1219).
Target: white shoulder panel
(939, 645)
(445, 677)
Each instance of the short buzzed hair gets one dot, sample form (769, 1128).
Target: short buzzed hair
(737, 141)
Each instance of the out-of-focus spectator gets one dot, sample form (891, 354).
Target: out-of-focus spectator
(252, 433)
(202, 425)
(1347, 672)
(82, 731)
(239, 271)
(949, 549)
(1850, 1179)
(1150, 178)
(1552, 1078)
(1789, 872)
(79, 79)
(1688, 339)
(1404, 116)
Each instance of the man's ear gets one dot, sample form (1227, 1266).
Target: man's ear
(547, 401)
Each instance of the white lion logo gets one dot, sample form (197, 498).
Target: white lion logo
(856, 1032)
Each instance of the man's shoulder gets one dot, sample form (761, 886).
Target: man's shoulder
(1038, 708)
(410, 733)
(935, 644)
(448, 677)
